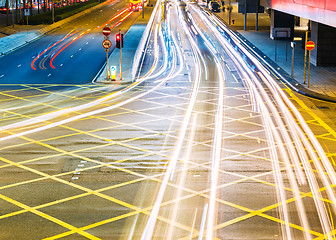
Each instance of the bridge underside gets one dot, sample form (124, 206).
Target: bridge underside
(322, 16)
(321, 11)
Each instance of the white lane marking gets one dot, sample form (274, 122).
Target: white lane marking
(83, 161)
(80, 165)
(74, 178)
(235, 78)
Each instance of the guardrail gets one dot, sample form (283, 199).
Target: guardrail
(141, 49)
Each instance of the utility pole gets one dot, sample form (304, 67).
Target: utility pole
(13, 12)
(7, 12)
(17, 11)
(31, 7)
(257, 13)
(245, 15)
(143, 8)
(230, 10)
(53, 11)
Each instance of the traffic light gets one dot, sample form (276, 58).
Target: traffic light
(120, 40)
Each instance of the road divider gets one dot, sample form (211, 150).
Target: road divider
(141, 49)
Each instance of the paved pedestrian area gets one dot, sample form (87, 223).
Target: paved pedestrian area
(322, 79)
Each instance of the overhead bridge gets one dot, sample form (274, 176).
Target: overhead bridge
(322, 16)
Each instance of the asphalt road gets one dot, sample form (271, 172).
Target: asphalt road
(196, 149)
(77, 47)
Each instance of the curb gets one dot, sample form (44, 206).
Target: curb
(300, 88)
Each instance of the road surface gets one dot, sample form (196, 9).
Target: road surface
(206, 144)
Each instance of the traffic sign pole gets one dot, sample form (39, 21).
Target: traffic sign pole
(309, 69)
(107, 65)
(305, 63)
(107, 44)
(309, 46)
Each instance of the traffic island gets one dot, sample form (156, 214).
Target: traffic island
(131, 40)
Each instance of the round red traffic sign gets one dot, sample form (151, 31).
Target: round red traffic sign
(310, 45)
(107, 43)
(106, 31)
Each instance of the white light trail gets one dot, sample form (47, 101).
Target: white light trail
(182, 176)
(151, 222)
(218, 131)
(294, 138)
(204, 218)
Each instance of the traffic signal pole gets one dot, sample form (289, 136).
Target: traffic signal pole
(121, 44)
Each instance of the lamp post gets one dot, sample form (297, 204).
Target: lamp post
(143, 8)
(52, 11)
(13, 12)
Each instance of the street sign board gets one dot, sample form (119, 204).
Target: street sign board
(106, 31)
(310, 45)
(27, 12)
(113, 72)
(107, 44)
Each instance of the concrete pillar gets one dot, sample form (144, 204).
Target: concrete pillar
(281, 23)
(324, 37)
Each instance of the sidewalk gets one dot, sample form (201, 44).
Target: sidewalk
(322, 79)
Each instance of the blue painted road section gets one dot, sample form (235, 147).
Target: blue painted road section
(77, 64)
